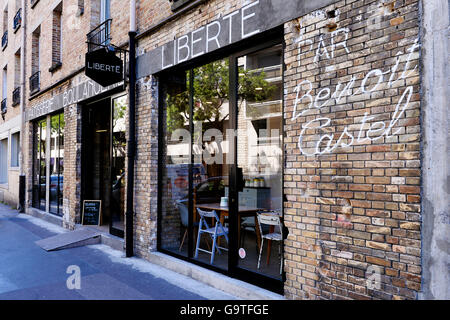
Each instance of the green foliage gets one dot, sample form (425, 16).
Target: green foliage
(211, 91)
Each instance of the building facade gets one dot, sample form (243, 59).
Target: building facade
(303, 132)
(11, 106)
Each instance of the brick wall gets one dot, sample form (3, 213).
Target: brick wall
(352, 136)
(352, 175)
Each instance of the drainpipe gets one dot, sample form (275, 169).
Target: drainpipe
(22, 110)
(131, 131)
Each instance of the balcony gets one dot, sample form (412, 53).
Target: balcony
(35, 82)
(17, 20)
(4, 108)
(100, 36)
(5, 40)
(16, 97)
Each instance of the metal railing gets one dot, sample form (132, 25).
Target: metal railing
(5, 39)
(4, 108)
(17, 19)
(16, 97)
(35, 82)
(100, 36)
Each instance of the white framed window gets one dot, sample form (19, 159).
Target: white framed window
(4, 161)
(105, 10)
(15, 149)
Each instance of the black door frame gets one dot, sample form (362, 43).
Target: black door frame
(84, 149)
(258, 43)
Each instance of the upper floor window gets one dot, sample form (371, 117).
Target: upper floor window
(57, 38)
(5, 28)
(177, 4)
(105, 10)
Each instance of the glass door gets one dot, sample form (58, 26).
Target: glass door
(104, 153)
(259, 164)
(118, 154)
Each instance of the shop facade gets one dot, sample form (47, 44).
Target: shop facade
(75, 146)
(309, 111)
(280, 143)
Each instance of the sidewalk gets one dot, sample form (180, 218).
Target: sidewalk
(31, 273)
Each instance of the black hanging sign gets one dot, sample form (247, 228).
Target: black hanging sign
(104, 67)
(91, 212)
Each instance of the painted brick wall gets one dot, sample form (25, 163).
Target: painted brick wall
(352, 175)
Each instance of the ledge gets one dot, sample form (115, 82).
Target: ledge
(216, 280)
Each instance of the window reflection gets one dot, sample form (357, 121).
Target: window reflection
(260, 157)
(199, 140)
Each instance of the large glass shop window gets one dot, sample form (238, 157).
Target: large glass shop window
(54, 163)
(39, 164)
(260, 156)
(198, 163)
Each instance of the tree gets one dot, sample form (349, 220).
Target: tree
(211, 91)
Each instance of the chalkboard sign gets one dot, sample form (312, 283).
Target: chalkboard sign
(91, 212)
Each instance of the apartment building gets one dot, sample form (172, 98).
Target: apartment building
(60, 97)
(304, 131)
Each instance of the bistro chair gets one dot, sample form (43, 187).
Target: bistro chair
(214, 232)
(270, 219)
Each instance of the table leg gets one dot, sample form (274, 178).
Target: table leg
(258, 234)
(222, 221)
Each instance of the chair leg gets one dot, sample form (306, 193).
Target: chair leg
(260, 252)
(182, 241)
(198, 243)
(213, 249)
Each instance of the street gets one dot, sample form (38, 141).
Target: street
(27, 272)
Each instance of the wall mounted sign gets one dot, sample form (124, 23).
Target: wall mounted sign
(253, 18)
(104, 67)
(83, 91)
(92, 210)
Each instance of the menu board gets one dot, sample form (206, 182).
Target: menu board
(91, 212)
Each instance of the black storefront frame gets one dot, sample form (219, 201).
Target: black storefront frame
(257, 43)
(110, 96)
(36, 198)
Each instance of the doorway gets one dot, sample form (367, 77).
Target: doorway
(103, 163)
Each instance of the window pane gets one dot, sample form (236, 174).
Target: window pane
(211, 155)
(54, 163)
(15, 142)
(175, 164)
(39, 164)
(260, 156)
(4, 161)
(119, 144)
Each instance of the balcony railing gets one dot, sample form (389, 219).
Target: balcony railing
(100, 36)
(16, 97)
(5, 39)
(3, 108)
(35, 82)
(17, 20)
(33, 3)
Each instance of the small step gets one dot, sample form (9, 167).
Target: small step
(80, 237)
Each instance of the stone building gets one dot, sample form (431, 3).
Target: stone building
(314, 131)
(12, 102)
